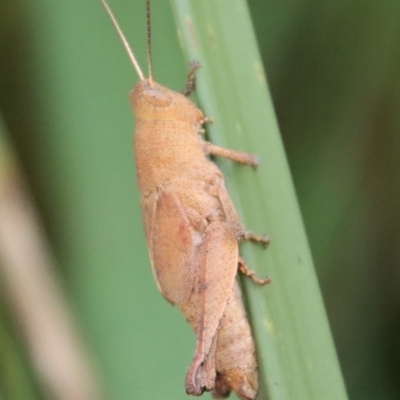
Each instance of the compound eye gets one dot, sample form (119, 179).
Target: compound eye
(157, 97)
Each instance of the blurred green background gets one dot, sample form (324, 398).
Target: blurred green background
(333, 69)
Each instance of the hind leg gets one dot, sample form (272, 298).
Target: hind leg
(251, 274)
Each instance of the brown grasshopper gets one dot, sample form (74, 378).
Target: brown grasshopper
(192, 231)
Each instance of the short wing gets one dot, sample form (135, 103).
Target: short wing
(170, 238)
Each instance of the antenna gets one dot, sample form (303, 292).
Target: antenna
(150, 65)
(124, 42)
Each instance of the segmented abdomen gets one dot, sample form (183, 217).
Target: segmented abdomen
(235, 359)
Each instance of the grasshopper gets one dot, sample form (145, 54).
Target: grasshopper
(192, 230)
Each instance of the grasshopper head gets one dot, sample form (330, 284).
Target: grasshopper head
(154, 101)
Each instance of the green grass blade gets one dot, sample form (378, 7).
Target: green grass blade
(296, 352)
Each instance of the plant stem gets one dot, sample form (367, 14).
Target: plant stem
(297, 357)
